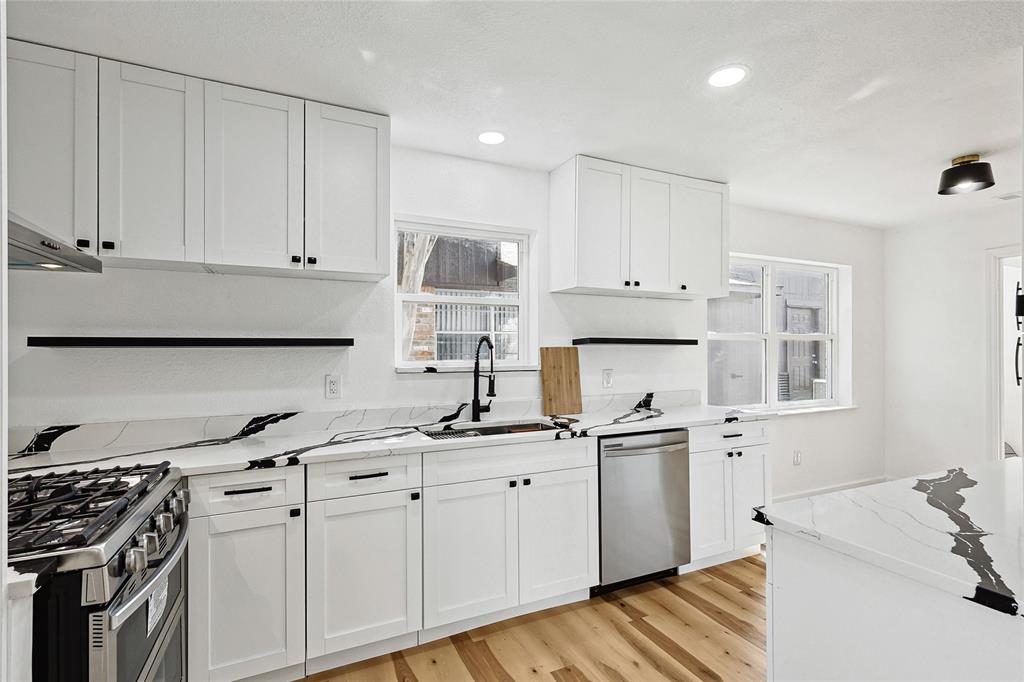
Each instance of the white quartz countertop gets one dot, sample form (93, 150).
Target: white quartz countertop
(959, 530)
(265, 448)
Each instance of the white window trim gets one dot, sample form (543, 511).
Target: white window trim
(527, 299)
(835, 333)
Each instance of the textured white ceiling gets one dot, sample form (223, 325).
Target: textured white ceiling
(851, 111)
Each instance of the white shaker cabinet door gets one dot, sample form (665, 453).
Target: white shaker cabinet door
(246, 593)
(51, 122)
(364, 570)
(470, 550)
(653, 219)
(750, 483)
(602, 223)
(151, 164)
(700, 238)
(347, 187)
(711, 504)
(558, 533)
(254, 178)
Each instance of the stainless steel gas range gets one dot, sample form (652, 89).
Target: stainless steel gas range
(109, 545)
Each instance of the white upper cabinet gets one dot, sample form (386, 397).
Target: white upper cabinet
(628, 231)
(254, 178)
(51, 110)
(602, 204)
(151, 164)
(347, 186)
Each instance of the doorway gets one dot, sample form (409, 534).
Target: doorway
(1010, 366)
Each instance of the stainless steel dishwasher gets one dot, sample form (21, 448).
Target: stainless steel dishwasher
(645, 504)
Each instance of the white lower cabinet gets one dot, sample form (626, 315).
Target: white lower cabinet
(558, 533)
(470, 550)
(246, 593)
(711, 509)
(725, 485)
(363, 562)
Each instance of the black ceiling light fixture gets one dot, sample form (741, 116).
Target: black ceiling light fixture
(967, 174)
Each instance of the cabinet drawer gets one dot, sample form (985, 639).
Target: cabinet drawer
(244, 490)
(329, 480)
(725, 436)
(497, 461)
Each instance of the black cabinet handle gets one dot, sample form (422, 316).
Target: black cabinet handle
(626, 282)
(294, 512)
(636, 282)
(1016, 361)
(739, 454)
(526, 481)
(296, 259)
(683, 287)
(732, 435)
(728, 454)
(415, 496)
(246, 491)
(511, 484)
(311, 260)
(108, 245)
(82, 243)
(359, 477)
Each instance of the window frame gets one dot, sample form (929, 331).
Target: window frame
(524, 300)
(771, 339)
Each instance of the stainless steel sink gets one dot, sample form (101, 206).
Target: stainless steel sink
(485, 429)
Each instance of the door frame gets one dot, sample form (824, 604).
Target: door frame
(993, 339)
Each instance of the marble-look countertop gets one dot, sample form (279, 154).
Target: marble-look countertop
(959, 530)
(288, 439)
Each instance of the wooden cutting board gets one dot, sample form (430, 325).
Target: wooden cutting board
(560, 380)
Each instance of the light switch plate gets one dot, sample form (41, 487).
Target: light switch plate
(607, 378)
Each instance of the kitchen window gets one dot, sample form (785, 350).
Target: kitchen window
(455, 284)
(776, 340)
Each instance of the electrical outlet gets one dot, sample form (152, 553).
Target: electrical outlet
(332, 386)
(607, 378)
(798, 457)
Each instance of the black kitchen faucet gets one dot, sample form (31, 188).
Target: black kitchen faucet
(477, 407)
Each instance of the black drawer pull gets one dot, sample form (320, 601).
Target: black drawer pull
(296, 259)
(683, 287)
(526, 481)
(636, 283)
(82, 243)
(732, 435)
(626, 282)
(728, 454)
(739, 454)
(359, 477)
(415, 496)
(246, 491)
(108, 245)
(311, 260)
(511, 484)
(294, 512)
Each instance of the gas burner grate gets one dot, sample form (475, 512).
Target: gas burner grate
(52, 511)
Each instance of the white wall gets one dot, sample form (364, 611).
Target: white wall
(75, 385)
(936, 338)
(846, 446)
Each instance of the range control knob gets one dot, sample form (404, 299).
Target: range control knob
(150, 542)
(135, 560)
(186, 495)
(177, 506)
(164, 523)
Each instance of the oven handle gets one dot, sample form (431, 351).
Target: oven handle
(119, 616)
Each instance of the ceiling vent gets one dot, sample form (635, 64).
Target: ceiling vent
(1009, 197)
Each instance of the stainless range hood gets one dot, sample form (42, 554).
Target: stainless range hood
(31, 248)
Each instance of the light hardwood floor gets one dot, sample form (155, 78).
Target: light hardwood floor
(707, 625)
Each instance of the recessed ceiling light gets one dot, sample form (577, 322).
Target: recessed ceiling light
(727, 76)
(491, 137)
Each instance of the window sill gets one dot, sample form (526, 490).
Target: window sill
(484, 369)
(793, 411)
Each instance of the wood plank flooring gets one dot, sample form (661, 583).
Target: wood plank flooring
(707, 625)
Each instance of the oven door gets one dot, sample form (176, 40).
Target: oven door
(142, 636)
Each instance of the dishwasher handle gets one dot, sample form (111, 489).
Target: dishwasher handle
(658, 450)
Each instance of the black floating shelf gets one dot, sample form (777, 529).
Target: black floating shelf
(588, 340)
(183, 342)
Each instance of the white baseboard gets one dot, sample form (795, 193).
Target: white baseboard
(831, 488)
(479, 621)
(360, 653)
(710, 561)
